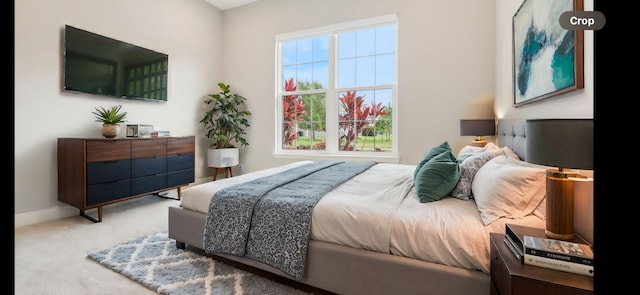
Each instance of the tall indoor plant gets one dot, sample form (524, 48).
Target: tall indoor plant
(110, 119)
(225, 122)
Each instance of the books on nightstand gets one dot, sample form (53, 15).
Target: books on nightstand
(160, 133)
(514, 237)
(515, 249)
(530, 246)
(560, 255)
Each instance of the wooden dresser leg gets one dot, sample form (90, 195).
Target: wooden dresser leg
(179, 193)
(100, 214)
(91, 218)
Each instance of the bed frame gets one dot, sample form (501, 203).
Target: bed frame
(345, 270)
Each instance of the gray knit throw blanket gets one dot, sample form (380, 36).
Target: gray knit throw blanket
(269, 219)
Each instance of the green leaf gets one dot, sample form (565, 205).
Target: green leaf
(225, 120)
(111, 116)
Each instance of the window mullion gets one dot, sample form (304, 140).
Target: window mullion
(278, 99)
(331, 97)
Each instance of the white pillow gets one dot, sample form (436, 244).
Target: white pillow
(468, 149)
(505, 187)
(490, 147)
(510, 153)
(540, 211)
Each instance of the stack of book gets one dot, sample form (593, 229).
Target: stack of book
(560, 255)
(160, 133)
(531, 246)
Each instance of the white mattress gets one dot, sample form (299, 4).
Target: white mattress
(379, 210)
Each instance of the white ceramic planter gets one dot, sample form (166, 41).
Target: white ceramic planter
(221, 158)
(110, 131)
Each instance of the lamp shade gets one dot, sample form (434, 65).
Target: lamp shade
(480, 127)
(562, 143)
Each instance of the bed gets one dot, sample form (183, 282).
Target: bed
(383, 230)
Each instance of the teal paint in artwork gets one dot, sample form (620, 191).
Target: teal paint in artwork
(563, 63)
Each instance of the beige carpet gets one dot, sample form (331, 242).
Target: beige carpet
(51, 257)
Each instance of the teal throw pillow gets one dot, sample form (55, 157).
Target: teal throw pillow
(443, 147)
(437, 177)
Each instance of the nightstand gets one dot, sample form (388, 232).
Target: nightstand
(509, 276)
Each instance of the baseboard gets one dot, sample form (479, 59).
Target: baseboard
(44, 215)
(62, 211)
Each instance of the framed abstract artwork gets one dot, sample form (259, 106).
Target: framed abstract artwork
(547, 59)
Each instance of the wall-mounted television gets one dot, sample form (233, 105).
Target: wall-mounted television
(100, 65)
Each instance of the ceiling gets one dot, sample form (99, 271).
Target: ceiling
(228, 4)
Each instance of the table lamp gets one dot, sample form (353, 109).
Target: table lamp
(566, 144)
(479, 129)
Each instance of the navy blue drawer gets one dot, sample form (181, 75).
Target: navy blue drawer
(148, 166)
(180, 162)
(98, 172)
(178, 178)
(147, 184)
(108, 191)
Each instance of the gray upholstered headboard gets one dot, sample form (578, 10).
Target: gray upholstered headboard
(512, 133)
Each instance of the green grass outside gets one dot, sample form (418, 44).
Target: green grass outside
(365, 143)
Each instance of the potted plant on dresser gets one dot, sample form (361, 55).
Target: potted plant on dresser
(110, 119)
(225, 122)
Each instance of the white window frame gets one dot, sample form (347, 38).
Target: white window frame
(332, 150)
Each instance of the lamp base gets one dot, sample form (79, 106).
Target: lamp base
(555, 236)
(559, 198)
(478, 143)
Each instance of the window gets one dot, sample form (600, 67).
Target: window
(336, 90)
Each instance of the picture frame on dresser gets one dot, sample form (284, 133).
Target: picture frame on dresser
(548, 60)
(138, 130)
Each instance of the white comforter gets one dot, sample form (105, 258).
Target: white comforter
(379, 210)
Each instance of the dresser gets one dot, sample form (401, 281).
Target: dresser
(94, 172)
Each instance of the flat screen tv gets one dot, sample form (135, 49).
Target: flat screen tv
(99, 65)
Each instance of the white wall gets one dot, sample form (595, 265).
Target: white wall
(187, 30)
(446, 52)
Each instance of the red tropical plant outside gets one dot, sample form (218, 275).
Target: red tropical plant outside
(293, 111)
(355, 116)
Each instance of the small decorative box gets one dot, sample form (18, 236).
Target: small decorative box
(137, 130)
